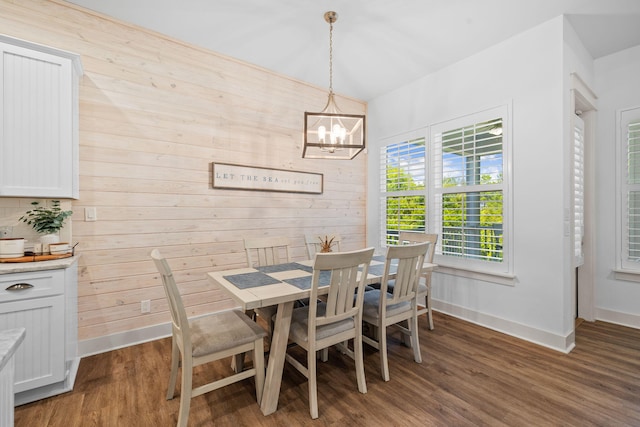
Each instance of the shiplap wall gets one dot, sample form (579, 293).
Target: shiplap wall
(154, 113)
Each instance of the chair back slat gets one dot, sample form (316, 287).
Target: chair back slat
(415, 237)
(179, 320)
(348, 276)
(410, 259)
(264, 251)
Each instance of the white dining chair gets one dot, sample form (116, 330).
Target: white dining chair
(206, 339)
(265, 251)
(334, 320)
(424, 286)
(382, 308)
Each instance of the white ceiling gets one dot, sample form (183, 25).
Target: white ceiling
(378, 45)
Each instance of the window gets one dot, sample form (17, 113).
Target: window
(629, 135)
(455, 185)
(403, 188)
(469, 187)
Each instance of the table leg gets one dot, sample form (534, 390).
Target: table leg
(275, 366)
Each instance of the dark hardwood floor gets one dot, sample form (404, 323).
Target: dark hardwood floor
(470, 376)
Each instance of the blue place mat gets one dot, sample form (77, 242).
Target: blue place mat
(378, 270)
(305, 282)
(284, 267)
(251, 280)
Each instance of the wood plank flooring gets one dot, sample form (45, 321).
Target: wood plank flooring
(470, 376)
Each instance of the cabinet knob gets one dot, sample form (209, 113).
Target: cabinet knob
(19, 286)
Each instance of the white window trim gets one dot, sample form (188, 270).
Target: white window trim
(495, 272)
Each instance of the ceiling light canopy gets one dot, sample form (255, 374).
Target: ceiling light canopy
(332, 134)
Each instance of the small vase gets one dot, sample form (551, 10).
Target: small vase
(47, 239)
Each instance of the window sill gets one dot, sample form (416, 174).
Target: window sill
(627, 275)
(499, 278)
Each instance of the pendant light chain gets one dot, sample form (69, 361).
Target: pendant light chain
(331, 56)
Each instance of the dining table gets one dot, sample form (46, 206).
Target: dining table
(281, 285)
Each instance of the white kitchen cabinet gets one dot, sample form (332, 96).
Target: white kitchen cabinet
(45, 304)
(40, 360)
(39, 144)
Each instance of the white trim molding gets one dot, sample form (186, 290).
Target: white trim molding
(562, 343)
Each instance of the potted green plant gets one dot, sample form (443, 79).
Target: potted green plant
(46, 221)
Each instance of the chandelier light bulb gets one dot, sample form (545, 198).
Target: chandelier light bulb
(336, 133)
(322, 131)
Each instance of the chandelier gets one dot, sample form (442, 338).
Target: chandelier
(332, 134)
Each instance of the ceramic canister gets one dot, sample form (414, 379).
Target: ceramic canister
(59, 248)
(11, 247)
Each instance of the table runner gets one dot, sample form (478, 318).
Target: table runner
(284, 267)
(251, 280)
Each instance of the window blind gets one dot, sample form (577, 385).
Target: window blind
(468, 163)
(578, 190)
(402, 186)
(632, 127)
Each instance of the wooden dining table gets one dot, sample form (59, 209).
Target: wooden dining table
(280, 285)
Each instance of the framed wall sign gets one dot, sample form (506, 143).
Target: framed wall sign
(240, 177)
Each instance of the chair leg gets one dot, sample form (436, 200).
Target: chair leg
(258, 364)
(237, 363)
(185, 392)
(428, 300)
(313, 386)
(382, 342)
(175, 360)
(359, 356)
(413, 326)
(404, 339)
(323, 354)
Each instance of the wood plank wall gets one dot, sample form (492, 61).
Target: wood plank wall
(154, 113)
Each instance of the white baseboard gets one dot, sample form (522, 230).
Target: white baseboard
(556, 342)
(619, 318)
(123, 339)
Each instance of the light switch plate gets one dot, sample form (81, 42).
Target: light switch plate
(6, 231)
(90, 214)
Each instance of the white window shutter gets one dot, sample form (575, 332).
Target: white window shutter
(578, 191)
(630, 136)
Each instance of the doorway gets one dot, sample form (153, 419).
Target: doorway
(583, 120)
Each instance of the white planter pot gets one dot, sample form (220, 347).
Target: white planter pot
(46, 240)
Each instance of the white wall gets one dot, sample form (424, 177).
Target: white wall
(527, 73)
(617, 87)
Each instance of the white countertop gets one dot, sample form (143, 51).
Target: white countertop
(22, 267)
(9, 342)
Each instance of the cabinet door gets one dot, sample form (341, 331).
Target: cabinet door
(40, 358)
(36, 123)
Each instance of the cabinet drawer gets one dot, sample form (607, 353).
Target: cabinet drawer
(33, 284)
